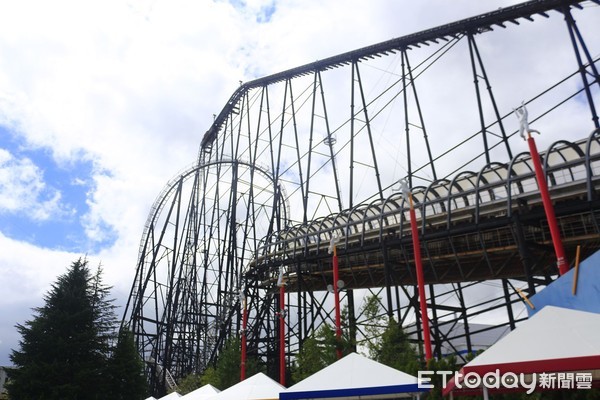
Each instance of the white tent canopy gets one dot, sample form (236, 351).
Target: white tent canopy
(354, 376)
(202, 393)
(553, 340)
(257, 387)
(171, 396)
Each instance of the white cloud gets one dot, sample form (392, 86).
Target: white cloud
(22, 189)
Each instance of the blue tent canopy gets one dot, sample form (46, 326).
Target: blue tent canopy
(560, 292)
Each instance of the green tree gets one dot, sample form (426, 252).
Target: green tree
(396, 351)
(374, 324)
(126, 369)
(64, 349)
(189, 383)
(319, 351)
(226, 371)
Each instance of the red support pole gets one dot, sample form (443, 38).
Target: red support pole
(244, 345)
(420, 280)
(336, 296)
(282, 334)
(561, 262)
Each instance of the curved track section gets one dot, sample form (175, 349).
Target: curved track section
(204, 229)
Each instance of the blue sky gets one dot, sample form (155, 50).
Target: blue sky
(102, 102)
(44, 201)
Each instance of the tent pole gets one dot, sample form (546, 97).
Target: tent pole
(485, 394)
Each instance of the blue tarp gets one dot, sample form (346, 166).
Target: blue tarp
(559, 293)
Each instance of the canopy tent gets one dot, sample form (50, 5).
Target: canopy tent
(171, 396)
(202, 393)
(560, 292)
(353, 377)
(257, 387)
(150, 398)
(554, 340)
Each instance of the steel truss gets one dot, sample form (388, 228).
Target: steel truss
(314, 152)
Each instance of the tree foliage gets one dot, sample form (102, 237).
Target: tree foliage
(226, 371)
(126, 369)
(189, 383)
(373, 326)
(65, 350)
(396, 351)
(319, 351)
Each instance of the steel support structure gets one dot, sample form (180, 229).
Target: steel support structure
(303, 155)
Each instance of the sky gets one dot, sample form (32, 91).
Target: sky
(102, 102)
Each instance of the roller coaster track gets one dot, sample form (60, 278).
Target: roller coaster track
(301, 156)
(468, 225)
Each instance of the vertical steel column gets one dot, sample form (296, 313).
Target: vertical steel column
(352, 117)
(463, 310)
(511, 317)
(492, 98)
(388, 280)
(330, 143)
(436, 342)
(282, 340)
(406, 123)
(418, 104)
(524, 252)
(351, 318)
(571, 26)
(479, 105)
(368, 125)
(244, 336)
(336, 295)
(310, 151)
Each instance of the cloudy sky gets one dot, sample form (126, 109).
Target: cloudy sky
(101, 102)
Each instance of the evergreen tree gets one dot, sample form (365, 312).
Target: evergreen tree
(319, 351)
(189, 383)
(373, 326)
(64, 348)
(396, 351)
(126, 369)
(226, 372)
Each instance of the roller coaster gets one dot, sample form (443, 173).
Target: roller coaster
(300, 157)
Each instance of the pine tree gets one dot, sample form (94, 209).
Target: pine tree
(64, 348)
(318, 351)
(126, 369)
(396, 351)
(226, 372)
(373, 326)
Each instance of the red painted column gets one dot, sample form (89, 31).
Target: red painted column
(561, 261)
(420, 280)
(336, 296)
